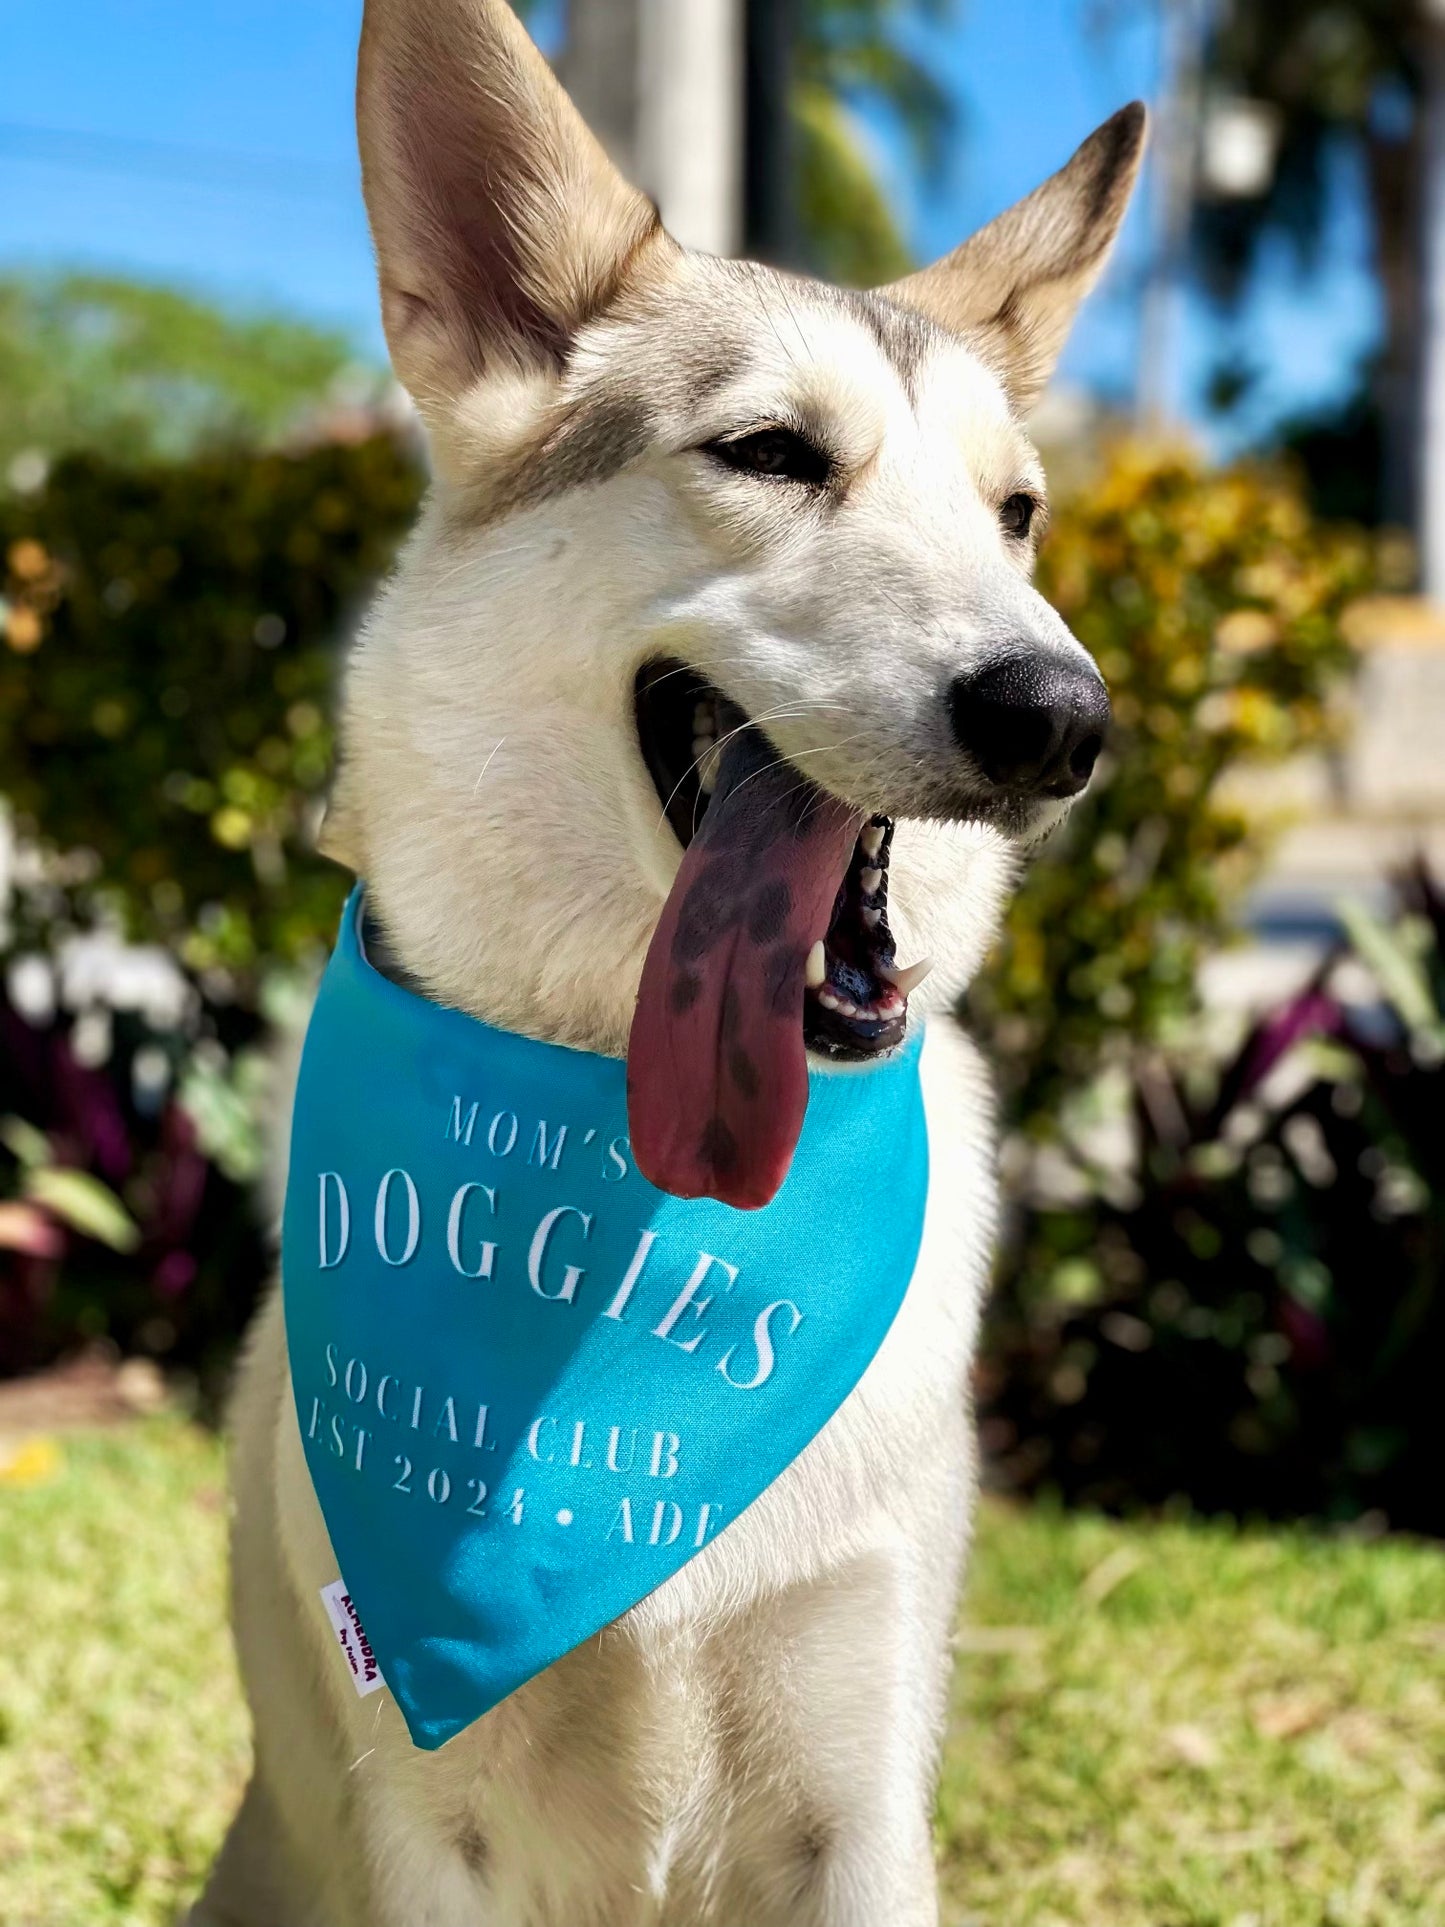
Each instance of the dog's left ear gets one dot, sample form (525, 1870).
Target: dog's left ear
(1012, 289)
(500, 225)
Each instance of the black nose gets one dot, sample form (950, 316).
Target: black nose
(1032, 722)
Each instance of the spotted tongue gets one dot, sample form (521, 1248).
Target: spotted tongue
(717, 1076)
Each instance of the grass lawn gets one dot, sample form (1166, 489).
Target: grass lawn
(1173, 1726)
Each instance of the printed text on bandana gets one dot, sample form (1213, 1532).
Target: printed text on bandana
(435, 1443)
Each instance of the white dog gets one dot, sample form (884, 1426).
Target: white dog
(670, 488)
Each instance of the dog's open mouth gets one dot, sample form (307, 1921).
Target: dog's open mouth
(774, 940)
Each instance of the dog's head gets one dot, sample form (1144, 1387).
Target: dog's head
(715, 651)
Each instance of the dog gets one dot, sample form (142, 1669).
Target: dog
(675, 498)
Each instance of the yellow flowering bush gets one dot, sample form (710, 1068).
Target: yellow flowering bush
(168, 644)
(168, 639)
(1211, 600)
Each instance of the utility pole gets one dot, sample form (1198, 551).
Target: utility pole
(661, 84)
(1184, 24)
(600, 65)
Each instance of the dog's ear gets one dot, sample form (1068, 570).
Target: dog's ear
(500, 225)
(1012, 289)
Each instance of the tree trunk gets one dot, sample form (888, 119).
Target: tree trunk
(771, 229)
(690, 127)
(1431, 314)
(1395, 172)
(1158, 396)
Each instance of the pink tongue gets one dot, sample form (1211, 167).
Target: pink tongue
(717, 1076)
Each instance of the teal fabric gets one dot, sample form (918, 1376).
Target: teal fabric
(530, 1386)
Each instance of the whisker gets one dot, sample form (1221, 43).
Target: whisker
(820, 796)
(487, 765)
(696, 669)
(789, 711)
(715, 749)
(778, 762)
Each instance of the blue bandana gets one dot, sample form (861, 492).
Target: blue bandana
(530, 1386)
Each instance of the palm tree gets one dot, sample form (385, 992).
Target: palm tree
(845, 58)
(1348, 78)
(848, 58)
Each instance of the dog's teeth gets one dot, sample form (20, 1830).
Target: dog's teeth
(905, 982)
(872, 918)
(828, 1000)
(704, 719)
(815, 970)
(869, 881)
(846, 1008)
(872, 840)
(702, 744)
(707, 776)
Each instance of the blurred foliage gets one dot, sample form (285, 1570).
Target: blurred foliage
(1222, 1283)
(1346, 82)
(167, 647)
(851, 232)
(850, 60)
(1254, 1313)
(167, 654)
(122, 1219)
(1340, 449)
(1211, 601)
(134, 371)
(167, 638)
(1341, 76)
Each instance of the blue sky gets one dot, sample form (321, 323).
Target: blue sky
(210, 143)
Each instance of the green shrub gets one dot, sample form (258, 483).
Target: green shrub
(168, 639)
(1256, 1317)
(1212, 602)
(166, 679)
(1228, 1294)
(165, 700)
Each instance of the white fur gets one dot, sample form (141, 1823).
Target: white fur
(755, 1744)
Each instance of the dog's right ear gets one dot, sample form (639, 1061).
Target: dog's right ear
(500, 225)
(1012, 289)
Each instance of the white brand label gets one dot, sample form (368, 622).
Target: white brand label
(351, 1638)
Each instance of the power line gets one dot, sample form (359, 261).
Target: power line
(168, 160)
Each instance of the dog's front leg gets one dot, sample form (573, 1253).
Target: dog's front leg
(837, 1686)
(832, 1712)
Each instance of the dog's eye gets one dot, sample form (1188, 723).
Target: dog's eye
(774, 452)
(1017, 514)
